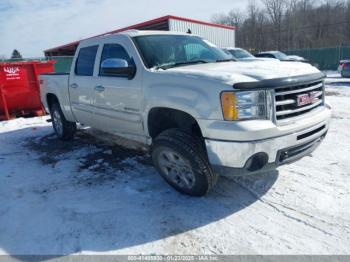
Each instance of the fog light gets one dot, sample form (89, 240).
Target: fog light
(256, 162)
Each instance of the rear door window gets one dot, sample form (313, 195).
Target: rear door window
(86, 61)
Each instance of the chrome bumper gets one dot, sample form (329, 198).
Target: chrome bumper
(237, 157)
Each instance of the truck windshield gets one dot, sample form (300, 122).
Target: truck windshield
(165, 51)
(281, 56)
(240, 53)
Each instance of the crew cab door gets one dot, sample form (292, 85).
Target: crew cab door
(118, 99)
(81, 84)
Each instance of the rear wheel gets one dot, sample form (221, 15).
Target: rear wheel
(182, 161)
(345, 75)
(64, 129)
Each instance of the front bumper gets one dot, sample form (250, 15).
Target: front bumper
(247, 157)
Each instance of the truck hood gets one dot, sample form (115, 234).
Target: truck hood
(237, 72)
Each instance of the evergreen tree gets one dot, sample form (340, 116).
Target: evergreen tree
(16, 54)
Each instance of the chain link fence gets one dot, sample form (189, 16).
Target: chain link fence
(324, 58)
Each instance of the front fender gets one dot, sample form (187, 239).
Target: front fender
(184, 98)
(196, 96)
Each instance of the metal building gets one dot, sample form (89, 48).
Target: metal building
(221, 35)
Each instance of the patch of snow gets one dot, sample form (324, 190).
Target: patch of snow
(108, 152)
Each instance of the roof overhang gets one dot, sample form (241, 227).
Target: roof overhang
(141, 26)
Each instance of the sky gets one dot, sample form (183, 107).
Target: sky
(32, 26)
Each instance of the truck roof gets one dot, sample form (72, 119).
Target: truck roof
(233, 48)
(133, 33)
(269, 52)
(151, 32)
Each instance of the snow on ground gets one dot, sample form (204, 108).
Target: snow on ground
(88, 196)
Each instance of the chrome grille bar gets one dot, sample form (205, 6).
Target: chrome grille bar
(288, 112)
(285, 102)
(299, 90)
(287, 99)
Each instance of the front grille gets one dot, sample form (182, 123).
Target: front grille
(311, 133)
(286, 99)
(296, 152)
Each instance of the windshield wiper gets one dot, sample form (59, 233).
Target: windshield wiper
(170, 65)
(226, 60)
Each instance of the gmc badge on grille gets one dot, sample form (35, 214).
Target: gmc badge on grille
(306, 99)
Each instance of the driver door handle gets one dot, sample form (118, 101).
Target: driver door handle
(99, 88)
(74, 85)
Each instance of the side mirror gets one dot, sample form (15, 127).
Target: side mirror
(117, 67)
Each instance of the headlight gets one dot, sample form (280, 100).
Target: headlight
(244, 105)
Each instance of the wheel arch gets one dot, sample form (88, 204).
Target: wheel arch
(51, 99)
(160, 119)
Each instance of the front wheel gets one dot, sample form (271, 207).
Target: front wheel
(343, 75)
(64, 129)
(182, 161)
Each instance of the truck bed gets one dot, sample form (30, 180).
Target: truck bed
(57, 84)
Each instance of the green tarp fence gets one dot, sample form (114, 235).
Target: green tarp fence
(324, 58)
(62, 65)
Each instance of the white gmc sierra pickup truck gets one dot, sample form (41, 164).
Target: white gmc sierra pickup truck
(202, 114)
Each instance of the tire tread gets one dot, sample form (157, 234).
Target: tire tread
(69, 128)
(194, 146)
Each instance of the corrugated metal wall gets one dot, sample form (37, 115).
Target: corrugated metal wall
(221, 37)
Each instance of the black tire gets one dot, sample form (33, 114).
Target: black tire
(344, 76)
(64, 129)
(190, 150)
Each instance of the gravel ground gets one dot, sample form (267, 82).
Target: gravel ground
(89, 196)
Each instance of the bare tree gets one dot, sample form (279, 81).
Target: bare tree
(276, 10)
(233, 18)
(291, 24)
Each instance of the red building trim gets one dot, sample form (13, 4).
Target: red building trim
(147, 23)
